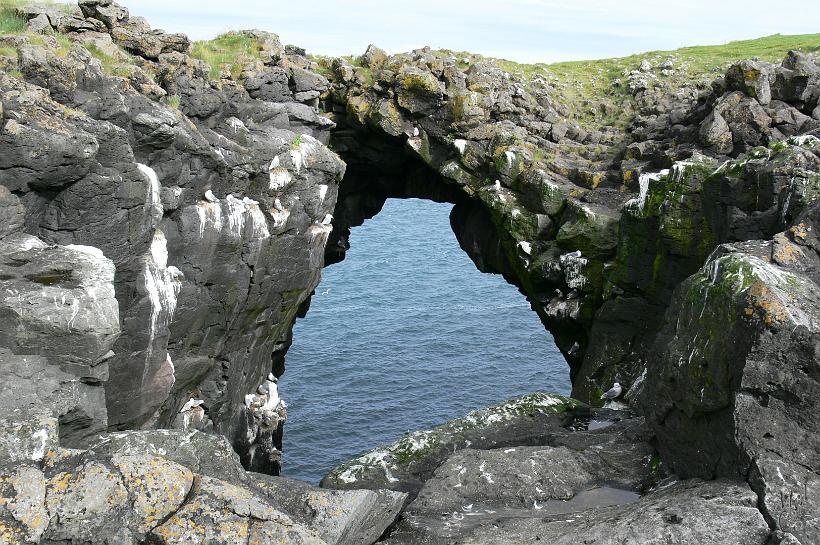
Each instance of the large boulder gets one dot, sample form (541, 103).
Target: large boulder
(59, 320)
(339, 517)
(735, 369)
(57, 302)
(735, 374)
(406, 464)
(751, 77)
(718, 512)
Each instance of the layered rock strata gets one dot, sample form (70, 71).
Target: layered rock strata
(164, 220)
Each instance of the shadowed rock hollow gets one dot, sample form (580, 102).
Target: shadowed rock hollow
(167, 209)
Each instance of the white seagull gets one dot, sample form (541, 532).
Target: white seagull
(613, 392)
(210, 197)
(190, 404)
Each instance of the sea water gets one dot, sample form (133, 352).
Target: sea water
(402, 335)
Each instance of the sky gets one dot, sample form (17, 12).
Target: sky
(520, 30)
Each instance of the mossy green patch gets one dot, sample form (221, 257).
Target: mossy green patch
(110, 64)
(394, 460)
(229, 51)
(419, 83)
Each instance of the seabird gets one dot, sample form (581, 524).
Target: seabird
(261, 390)
(190, 404)
(277, 204)
(273, 393)
(271, 377)
(613, 392)
(328, 219)
(210, 197)
(497, 185)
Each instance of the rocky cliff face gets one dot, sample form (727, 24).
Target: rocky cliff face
(164, 228)
(164, 220)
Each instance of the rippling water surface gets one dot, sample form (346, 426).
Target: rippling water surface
(405, 334)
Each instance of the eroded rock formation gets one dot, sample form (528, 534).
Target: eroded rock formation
(210, 204)
(553, 207)
(163, 221)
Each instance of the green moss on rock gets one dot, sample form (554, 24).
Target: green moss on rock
(391, 462)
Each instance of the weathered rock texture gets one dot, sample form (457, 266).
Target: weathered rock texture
(166, 487)
(553, 207)
(180, 224)
(558, 482)
(163, 221)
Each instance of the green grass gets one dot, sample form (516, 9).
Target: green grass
(10, 21)
(580, 84)
(173, 101)
(111, 64)
(227, 51)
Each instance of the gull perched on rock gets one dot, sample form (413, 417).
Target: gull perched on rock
(210, 197)
(191, 404)
(613, 392)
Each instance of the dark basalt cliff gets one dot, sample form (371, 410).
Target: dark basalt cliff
(164, 220)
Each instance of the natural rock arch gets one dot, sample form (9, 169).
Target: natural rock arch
(534, 203)
(165, 220)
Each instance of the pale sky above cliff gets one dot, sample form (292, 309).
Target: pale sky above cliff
(521, 30)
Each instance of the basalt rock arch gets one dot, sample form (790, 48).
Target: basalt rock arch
(165, 220)
(590, 225)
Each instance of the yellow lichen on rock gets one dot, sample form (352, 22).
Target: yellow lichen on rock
(158, 487)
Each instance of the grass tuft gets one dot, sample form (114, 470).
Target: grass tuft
(230, 51)
(173, 101)
(11, 22)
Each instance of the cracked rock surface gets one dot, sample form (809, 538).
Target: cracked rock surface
(163, 222)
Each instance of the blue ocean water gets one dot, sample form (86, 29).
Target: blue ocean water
(402, 335)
